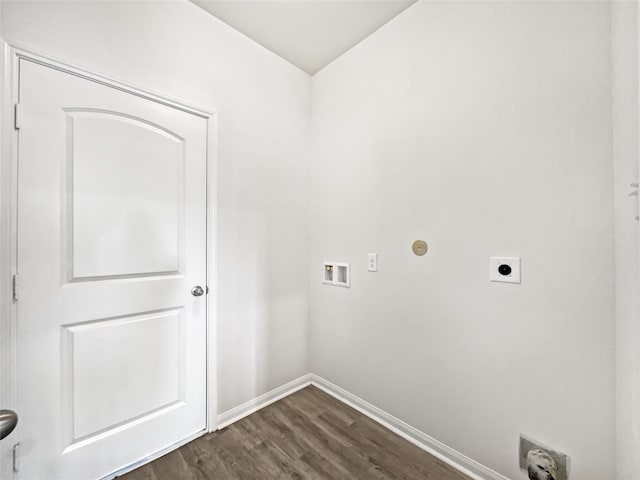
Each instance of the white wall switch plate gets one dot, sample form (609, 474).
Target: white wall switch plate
(504, 269)
(372, 262)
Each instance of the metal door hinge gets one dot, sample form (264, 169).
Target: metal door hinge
(16, 457)
(16, 287)
(16, 116)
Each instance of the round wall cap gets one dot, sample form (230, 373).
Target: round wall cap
(419, 247)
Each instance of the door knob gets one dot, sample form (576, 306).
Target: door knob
(197, 291)
(8, 421)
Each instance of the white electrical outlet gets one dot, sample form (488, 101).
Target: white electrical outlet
(372, 264)
(504, 269)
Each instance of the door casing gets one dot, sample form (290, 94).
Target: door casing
(8, 236)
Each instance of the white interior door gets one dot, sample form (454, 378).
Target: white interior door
(111, 240)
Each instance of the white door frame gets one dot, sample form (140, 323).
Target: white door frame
(8, 235)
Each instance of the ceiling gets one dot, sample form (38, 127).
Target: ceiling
(307, 33)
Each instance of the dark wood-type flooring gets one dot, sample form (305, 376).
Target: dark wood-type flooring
(307, 435)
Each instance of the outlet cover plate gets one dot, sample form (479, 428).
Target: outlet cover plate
(562, 460)
(514, 269)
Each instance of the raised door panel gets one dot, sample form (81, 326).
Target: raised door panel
(121, 371)
(125, 198)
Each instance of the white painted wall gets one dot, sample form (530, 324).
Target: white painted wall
(262, 101)
(485, 129)
(625, 142)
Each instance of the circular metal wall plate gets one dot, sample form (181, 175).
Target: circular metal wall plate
(419, 247)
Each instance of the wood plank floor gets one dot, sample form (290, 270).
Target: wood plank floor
(307, 435)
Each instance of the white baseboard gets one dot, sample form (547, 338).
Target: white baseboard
(452, 457)
(247, 408)
(457, 460)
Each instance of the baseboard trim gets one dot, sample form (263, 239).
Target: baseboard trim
(457, 460)
(237, 413)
